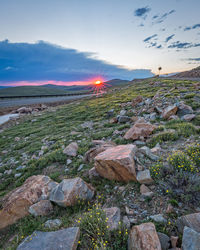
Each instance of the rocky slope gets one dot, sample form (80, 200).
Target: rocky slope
(194, 73)
(118, 171)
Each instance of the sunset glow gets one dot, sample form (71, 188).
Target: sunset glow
(98, 82)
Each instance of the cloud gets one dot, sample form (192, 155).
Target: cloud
(149, 38)
(160, 18)
(142, 12)
(194, 59)
(192, 27)
(183, 45)
(169, 38)
(44, 61)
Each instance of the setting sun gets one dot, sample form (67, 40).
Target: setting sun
(98, 82)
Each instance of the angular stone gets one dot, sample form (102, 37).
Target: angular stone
(144, 237)
(113, 215)
(138, 130)
(147, 151)
(137, 100)
(164, 241)
(126, 222)
(70, 191)
(158, 218)
(169, 111)
(59, 240)
(144, 177)
(52, 223)
(43, 207)
(144, 189)
(191, 239)
(71, 149)
(123, 118)
(184, 109)
(190, 220)
(100, 146)
(188, 117)
(117, 163)
(24, 110)
(93, 173)
(17, 202)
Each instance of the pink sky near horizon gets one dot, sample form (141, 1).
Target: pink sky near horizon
(59, 83)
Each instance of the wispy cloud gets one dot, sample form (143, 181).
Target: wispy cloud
(169, 38)
(150, 38)
(183, 45)
(161, 18)
(142, 12)
(44, 61)
(195, 26)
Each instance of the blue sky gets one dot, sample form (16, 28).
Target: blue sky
(92, 34)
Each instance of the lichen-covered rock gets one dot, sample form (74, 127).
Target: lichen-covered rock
(117, 163)
(52, 223)
(144, 237)
(190, 220)
(17, 202)
(139, 130)
(59, 240)
(70, 191)
(184, 109)
(144, 177)
(169, 111)
(43, 207)
(113, 215)
(191, 239)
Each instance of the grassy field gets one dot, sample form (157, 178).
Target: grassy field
(56, 127)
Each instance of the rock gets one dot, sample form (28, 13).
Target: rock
(158, 218)
(144, 177)
(144, 189)
(164, 241)
(191, 239)
(93, 173)
(174, 241)
(144, 237)
(88, 124)
(153, 116)
(117, 163)
(190, 220)
(113, 215)
(123, 118)
(17, 202)
(61, 239)
(173, 117)
(69, 161)
(110, 113)
(138, 130)
(188, 117)
(100, 146)
(52, 223)
(17, 139)
(147, 151)
(137, 100)
(169, 111)
(24, 110)
(70, 191)
(126, 222)
(122, 112)
(71, 149)
(169, 209)
(184, 109)
(43, 207)
(18, 175)
(156, 149)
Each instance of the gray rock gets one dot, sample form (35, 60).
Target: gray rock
(53, 223)
(144, 177)
(20, 167)
(57, 240)
(153, 116)
(69, 161)
(190, 220)
(184, 109)
(122, 112)
(158, 218)
(123, 118)
(8, 172)
(110, 113)
(93, 173)
(147, 151)
(71, 149)
(43, 207)
(70, 191)
(164, 241)
(191, 239)
(80, 167)
(126, 222)
(18, 175)
(113, 215)
(88, 124)
(188, 117)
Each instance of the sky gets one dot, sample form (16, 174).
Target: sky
(76, 41)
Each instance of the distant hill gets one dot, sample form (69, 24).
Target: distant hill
(29, 91)
(51, 89)
(194, 73)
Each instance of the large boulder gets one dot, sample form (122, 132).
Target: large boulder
(144, 237)
(169, 111)
(16, 203)
(98, 147)
(117, 163)
(139, 130)
(70, 191)
(113, 215)
(190, 220)
(191, 239)
(59, 240)
(71, 149)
